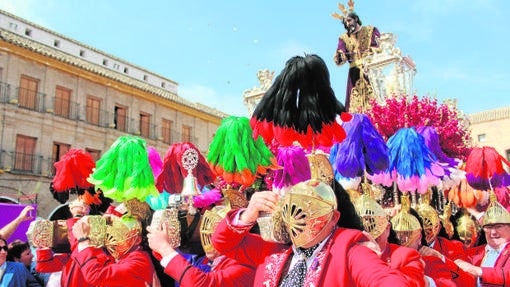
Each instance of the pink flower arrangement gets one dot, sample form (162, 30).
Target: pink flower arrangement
(396, 113)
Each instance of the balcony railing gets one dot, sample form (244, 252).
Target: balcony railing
(27, 99)
(21, 162)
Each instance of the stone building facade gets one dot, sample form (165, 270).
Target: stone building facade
(57, 94)
(492, 128)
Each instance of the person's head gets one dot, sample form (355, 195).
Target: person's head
(210, 221)
(3, 251)
(122, 234)
(496, 224)
(373, 216)
(309, 213)
(407, 226)
(78, 208)
(20, 251)
(351, 22)
(468, 229)
(430, 220)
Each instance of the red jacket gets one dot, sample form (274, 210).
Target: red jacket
(228, 273)
(48, 262)
(453, 250)
(499, 275)
(341, 262)
(100, 269)
(436, 269)
(406, 260)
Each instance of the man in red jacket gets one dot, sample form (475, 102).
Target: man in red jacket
(224, 271)
(490, 262)
(320, 255)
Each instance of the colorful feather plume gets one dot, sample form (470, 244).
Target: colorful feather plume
(173, 173)
(412, 165)
(155, 161)
(363, 151)
(452, 174)
(484, 169)
(295, 167)
(235, 155)
(124, 171)
(300, 106)
(72, 171)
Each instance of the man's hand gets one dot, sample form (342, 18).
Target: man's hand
(427, 251)
(371, 244)
(262, 201)
(469, 268)
(159, 241)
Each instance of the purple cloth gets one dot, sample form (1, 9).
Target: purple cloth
(9, 212)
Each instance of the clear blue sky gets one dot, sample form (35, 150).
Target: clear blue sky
(214, 49)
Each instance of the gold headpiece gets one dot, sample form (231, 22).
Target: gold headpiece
(122, 233)
(210, 221)
(406, 226)
(343, 10)
(495, 213)
(320, 168)
(236, 199)
(445, 220)
(430, 218)
(306, 210)
(46, 233)
(138, 209)
(371, 213)
(170, 217)
(468, 229)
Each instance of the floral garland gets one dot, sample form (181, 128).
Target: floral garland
(451, 126)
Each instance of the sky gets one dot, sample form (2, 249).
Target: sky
(213, 49)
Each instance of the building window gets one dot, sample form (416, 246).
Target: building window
(25, 153)
(62, 101)
(13, 26)
(126, 70)
(186, 133)
(166, 131)
(105, 62)
(481, 138)
(94, 153)
(56, 43)
(59, 150)
(82, 53)
(145, 78)
(145, 123)
(119, 118)
(163, 85)
(28, 32)
(28, 92)
(116, 66)
(93, 106)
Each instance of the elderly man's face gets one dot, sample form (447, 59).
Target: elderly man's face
(497, 234)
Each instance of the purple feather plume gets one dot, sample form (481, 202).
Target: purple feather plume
(363, 150)
(295, 167)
